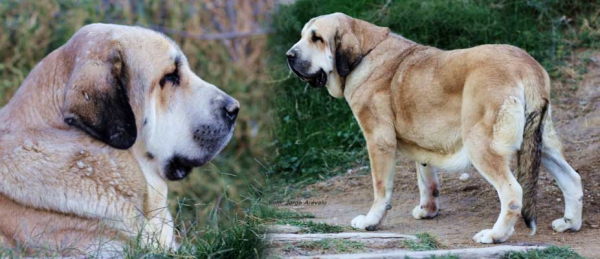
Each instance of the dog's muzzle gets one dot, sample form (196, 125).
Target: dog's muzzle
(209, 138)
(317, 79)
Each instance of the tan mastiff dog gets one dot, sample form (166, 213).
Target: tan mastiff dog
(445, 110)
(91, 137)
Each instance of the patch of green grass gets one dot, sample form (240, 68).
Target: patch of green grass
(270, 213)
(333, 246)
(426, 242)
(312, 227)
(285, 214)
(9, 253)
(553, 252)
(316, 136)
(226, 235)
(241, 239)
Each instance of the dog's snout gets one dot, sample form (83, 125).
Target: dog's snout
(231, 108)
(291, 55)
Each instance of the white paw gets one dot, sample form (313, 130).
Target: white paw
(562, 225)
(357, 222)
(173, 246)
(489, 236)
(420, 213)
(364, 223)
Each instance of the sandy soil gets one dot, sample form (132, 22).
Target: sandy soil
(472, 205)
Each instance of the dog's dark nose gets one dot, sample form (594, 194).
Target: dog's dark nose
(231, 107)
(291, 56)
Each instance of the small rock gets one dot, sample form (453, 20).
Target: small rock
(80, 164)
(592, 224)
(28, 145)
(464, 177)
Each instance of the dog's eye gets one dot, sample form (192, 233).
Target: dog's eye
(172, 77)
(316, 38)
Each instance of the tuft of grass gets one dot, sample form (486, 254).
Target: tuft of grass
(309, 227)
(426, 242)
(8, 253)
(333, 246)
(553, 252)
(242, 239)
(270, 213)
(227, 234)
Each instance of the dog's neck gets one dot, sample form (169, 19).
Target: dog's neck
(371, 64)
(38, 102)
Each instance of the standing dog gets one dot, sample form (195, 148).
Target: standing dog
(92, 135)
(445, 110)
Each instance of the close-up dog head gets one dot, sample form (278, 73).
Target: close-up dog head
(131, 86)
(331, 46)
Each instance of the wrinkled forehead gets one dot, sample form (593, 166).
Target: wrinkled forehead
(149, 43)
(323, 25)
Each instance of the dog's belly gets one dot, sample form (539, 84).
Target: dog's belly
(453, 161)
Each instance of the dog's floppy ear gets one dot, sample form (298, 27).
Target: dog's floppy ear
(96, 101)
(353, 40)
(347, 53)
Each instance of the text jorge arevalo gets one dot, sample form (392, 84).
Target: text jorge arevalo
(299, 203)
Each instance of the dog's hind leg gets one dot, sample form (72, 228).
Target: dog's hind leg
(495, 169)
(567, 179)
(490, 143)
(381, 144)
(429, 188)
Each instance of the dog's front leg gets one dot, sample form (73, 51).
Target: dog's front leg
(160, 228)
(381, 144)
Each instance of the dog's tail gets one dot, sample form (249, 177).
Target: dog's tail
(529, 161)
